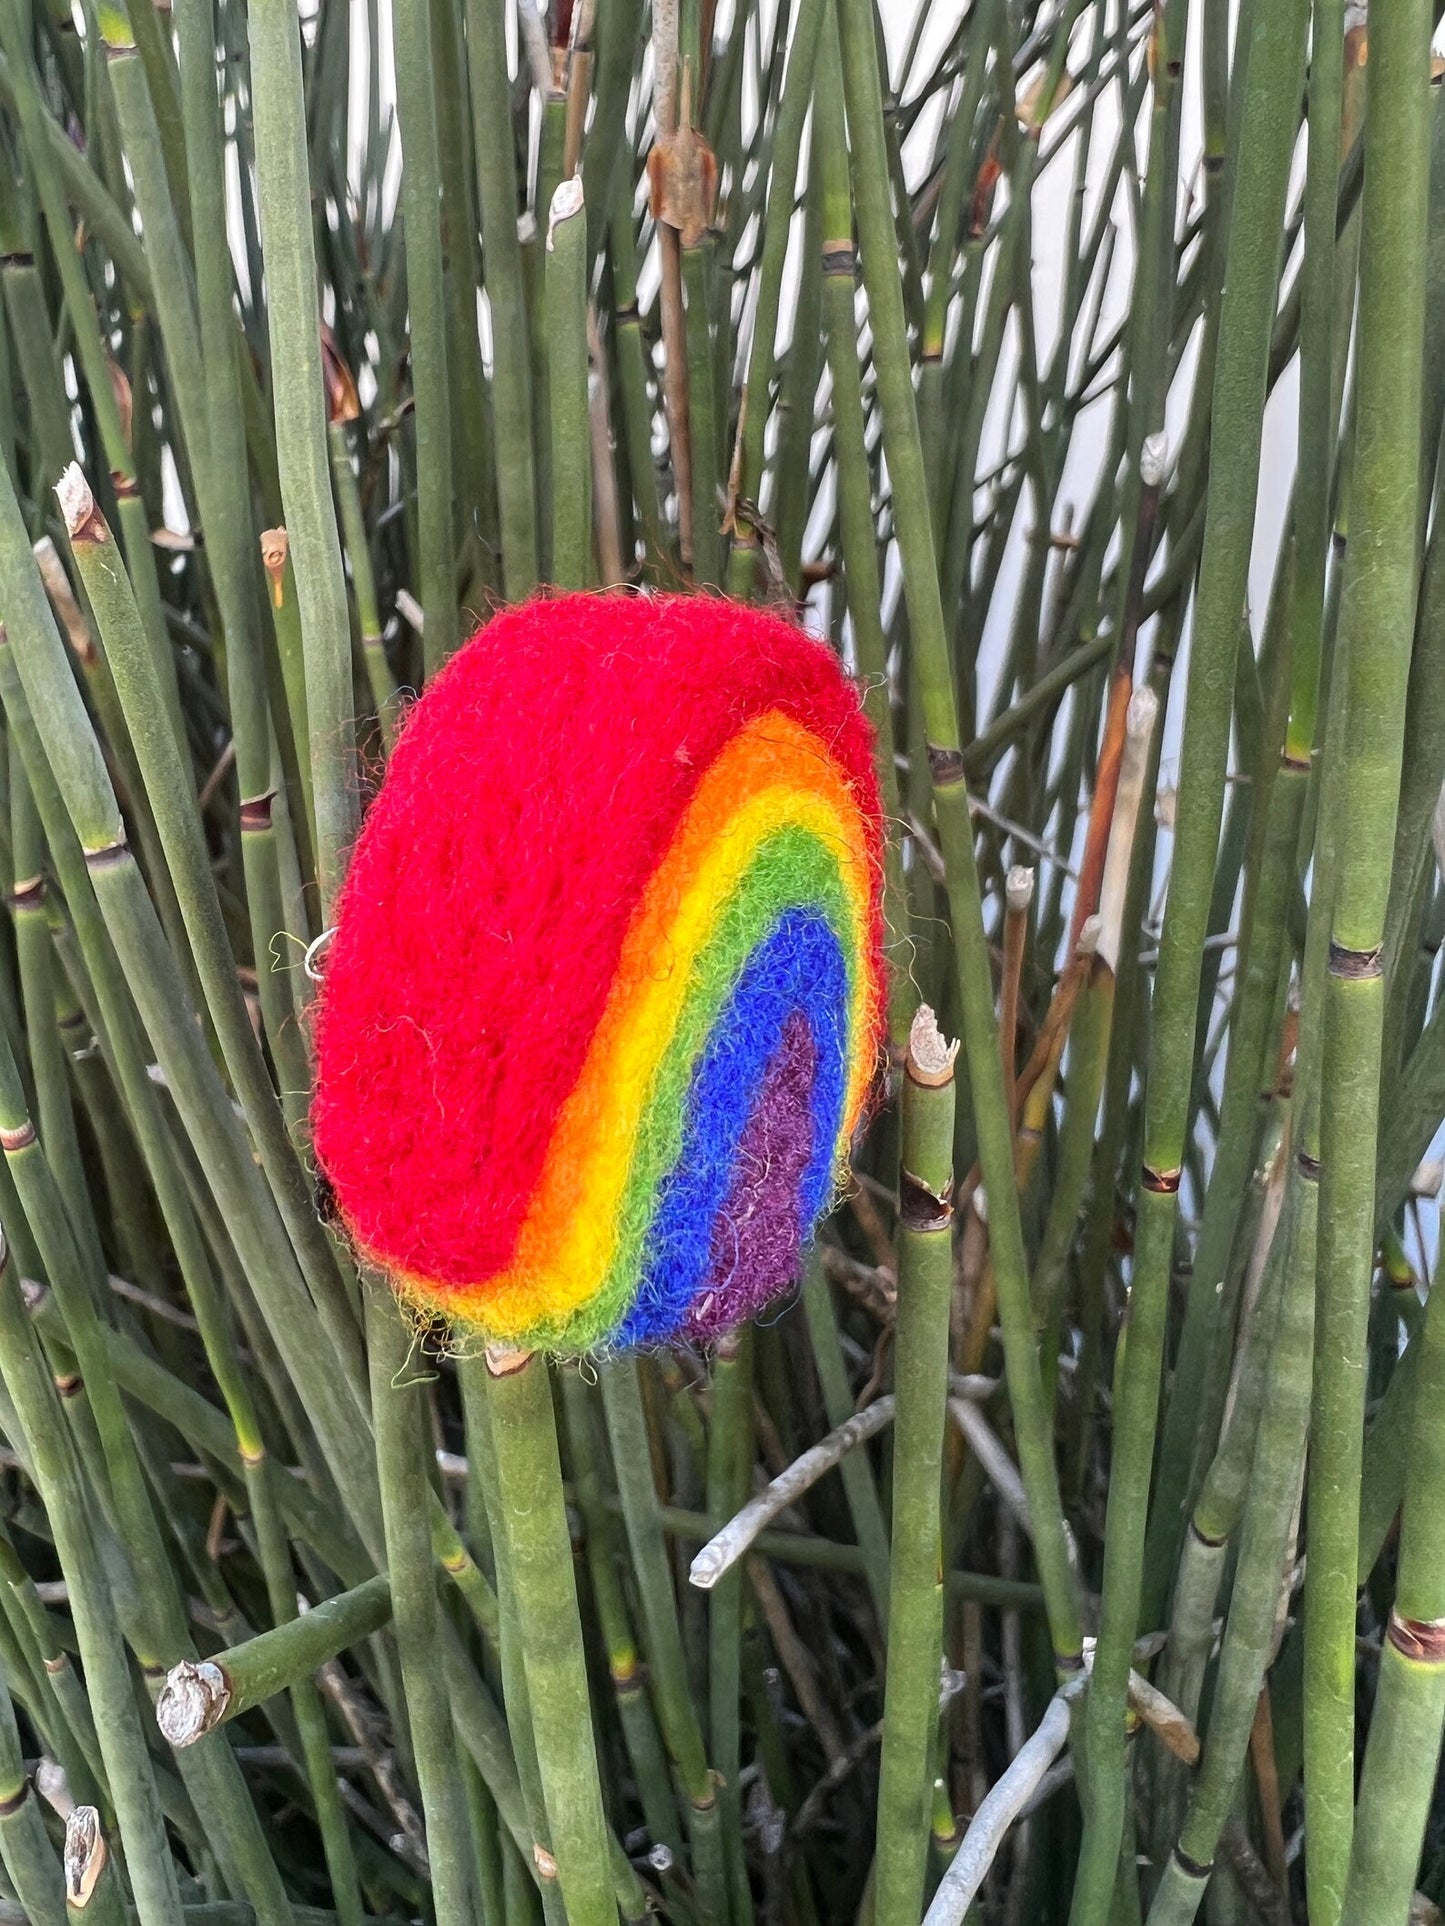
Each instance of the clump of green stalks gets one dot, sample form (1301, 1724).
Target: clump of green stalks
(1073, 1547)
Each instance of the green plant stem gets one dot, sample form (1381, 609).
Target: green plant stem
(411, 38)
(286, 677)
(147, 1598)
(729, 1464)
(1398, 1776)
(624, 1667)
(85, 191)
(92, 355)
(80, 1755)
(299, 405)
(857, 533)
(94, 1893)
(536, 1845)
(240, 1189)
(502, 268)
(1276, 56)
(274, 1661)
(915, 1603)
(747, 477)
(676, 1714)
(108, 1683)
(208, 1430)
(35, 957)
(566, 309)
(28, 1854)
(633, 370)
(1268, 1514)
(1200, 1377)
(863, 98)
(858, 1481)
(117, 617)
(1212, 1524)
(1411, 877)
(1376, 624)
(1319, 353)
(473, 457)
(230, 535)
(529, 1489)
(704, 431)
(1089, 1035)
(405, 1504)
(363, 585)
(30, 335)
(305, 1702)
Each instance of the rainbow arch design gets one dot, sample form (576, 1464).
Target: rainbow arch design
(604, 1004)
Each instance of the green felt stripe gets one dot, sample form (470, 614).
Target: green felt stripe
(791, 868)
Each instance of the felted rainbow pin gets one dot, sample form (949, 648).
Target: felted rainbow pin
(605, 997)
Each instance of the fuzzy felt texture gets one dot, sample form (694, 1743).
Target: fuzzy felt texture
(765, 1215)
(621, 881)
(796, 974)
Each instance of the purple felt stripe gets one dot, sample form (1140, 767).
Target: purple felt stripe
(757, 1233)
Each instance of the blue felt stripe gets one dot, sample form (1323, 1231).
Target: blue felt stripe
(799, 966)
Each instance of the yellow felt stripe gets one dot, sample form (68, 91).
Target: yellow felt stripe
(773, 773)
